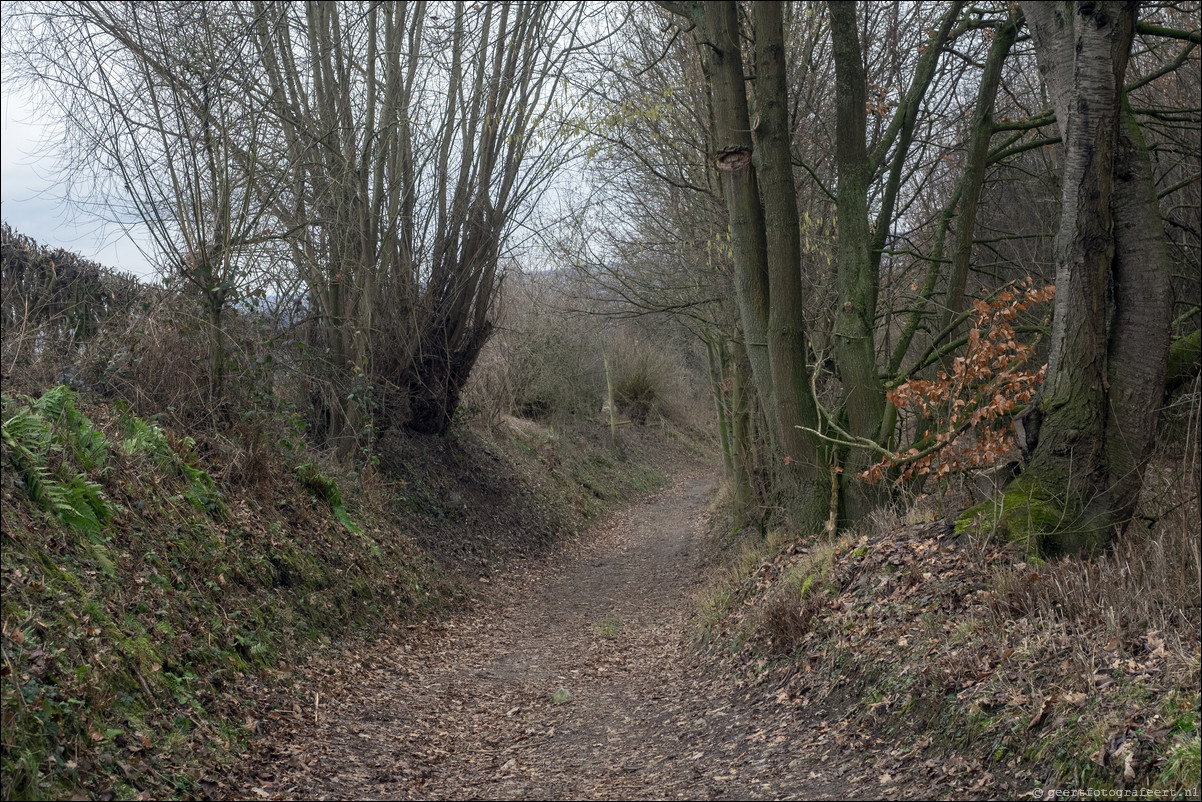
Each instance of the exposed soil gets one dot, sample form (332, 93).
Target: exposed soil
(463, 708)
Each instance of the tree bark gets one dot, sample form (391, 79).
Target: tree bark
(802, 467)
(1090, 430)
(757, 181)
(733, 146)
(855, 321)
(742, 435)
(1139, 334)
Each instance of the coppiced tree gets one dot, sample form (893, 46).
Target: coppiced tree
(412, 136)
(390, 148)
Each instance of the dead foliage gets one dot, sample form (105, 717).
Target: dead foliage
(984, 671)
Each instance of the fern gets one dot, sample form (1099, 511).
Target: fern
(52, 423)
(55, 402)
(326, 489)
(34, 431)
(27, 436)
(85, 500)
(142, 439)
(145, 439)
(26, 431)
(91, 447)
(57, 409)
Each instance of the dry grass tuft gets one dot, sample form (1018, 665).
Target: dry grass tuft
(547, 363)
(1150, 581)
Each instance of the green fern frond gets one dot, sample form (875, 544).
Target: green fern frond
(32, 432)
(87, 498)
(145, 439)
(54, 402)
(91, 446)
(26, 438)
(27, 431)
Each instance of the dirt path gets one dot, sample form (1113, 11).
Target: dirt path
(465, 710)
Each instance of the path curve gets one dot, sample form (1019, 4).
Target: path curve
(464, 709)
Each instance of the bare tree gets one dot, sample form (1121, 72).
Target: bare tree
(156, 130)
(413, 137)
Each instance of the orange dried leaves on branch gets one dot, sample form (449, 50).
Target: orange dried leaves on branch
(968, 409)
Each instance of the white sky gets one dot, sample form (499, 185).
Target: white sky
(31, 203)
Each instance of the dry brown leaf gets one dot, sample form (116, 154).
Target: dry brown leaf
(1042, 712)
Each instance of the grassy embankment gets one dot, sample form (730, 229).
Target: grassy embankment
(967, 666)
(147, 589)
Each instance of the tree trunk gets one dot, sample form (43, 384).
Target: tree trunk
(1139, 334)
(761, 201)
(733, 145)
(742, 437)
(863, 391)
(801, 469)
(216, 338)
(717, 375)
(974, 170)
(1088, 435)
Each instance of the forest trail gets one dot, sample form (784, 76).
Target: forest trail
(463, 708)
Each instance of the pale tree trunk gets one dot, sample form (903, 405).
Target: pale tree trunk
(1139, 332)
(1088, 435)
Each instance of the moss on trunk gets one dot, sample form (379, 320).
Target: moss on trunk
(1027, 512)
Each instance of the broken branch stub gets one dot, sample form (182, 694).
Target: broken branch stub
(734, 160)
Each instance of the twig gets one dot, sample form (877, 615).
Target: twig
(16, 678)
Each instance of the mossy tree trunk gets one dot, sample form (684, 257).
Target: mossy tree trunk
(1087, 438)
(858, 282)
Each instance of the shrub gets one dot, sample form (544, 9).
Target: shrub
(541, 363)
(969, 409)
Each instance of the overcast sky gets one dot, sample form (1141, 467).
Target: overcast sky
(32, 204)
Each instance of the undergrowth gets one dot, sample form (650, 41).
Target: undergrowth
(971, 658)
(150, 594)
(138, 591)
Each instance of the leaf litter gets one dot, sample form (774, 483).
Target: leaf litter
(856, 706)
(462, 707)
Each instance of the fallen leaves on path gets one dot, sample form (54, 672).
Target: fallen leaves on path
(464, 708)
